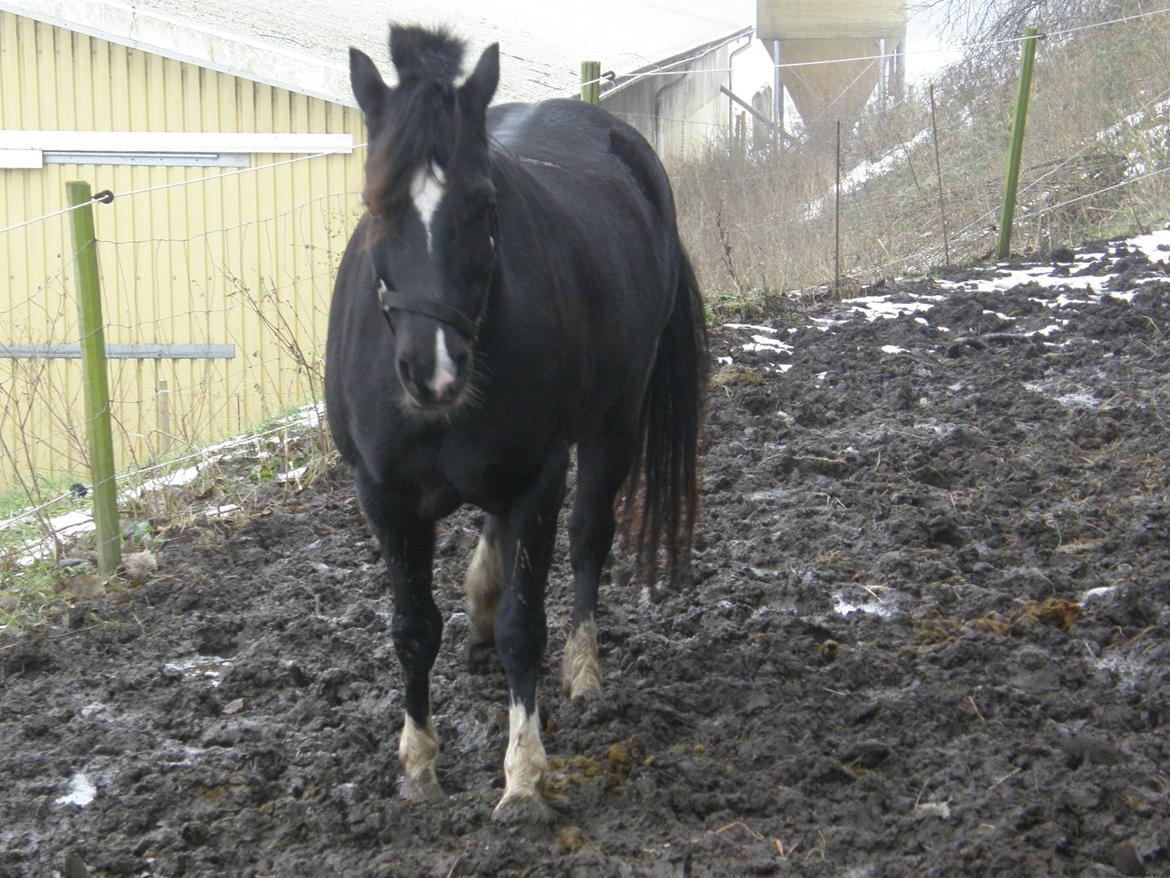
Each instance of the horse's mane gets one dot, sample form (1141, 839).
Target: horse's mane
(422, 127)
(419, 53)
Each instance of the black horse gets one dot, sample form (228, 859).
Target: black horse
(516, 287)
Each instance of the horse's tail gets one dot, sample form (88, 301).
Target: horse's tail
(662, 516)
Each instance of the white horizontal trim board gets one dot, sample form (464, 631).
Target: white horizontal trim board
(173, 141)
(159, 159)
(20, 158)
(121, 351)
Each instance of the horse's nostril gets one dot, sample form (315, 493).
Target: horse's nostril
(405, 371)
(460, 360)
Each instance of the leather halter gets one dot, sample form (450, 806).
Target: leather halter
(453, 317)
(391, 300)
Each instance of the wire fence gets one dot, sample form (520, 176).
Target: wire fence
(962, 48)
(254, 286)
(760, 220)
(221, 324)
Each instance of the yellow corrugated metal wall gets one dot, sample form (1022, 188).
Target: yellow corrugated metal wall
(245, 259)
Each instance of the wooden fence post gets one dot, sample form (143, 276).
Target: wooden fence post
(1007, 211)
(591, 82)
(97, 391)
(942, 207)
(837, 220)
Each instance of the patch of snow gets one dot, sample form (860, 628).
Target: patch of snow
(867, 170)
(1077, 399)
(293, 474)
(1129, 671)
(1133, 119)
(934, 809)
(874, 307)
(768, 343)
(81, 792)
(1047, 330)
(1099, 592)
(863, 172)
(200, 667)
(1007, 280)
(80, 521)
(175, 479)
(893, 349)
(751, 327)
(844, 607)
(1150, 244)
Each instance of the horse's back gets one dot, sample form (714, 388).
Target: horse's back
(587, 144)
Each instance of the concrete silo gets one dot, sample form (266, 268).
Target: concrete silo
(825, 38)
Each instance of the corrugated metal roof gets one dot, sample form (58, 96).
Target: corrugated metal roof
(302, 46)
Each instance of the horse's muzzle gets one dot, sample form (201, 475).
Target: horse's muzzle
(433, 363)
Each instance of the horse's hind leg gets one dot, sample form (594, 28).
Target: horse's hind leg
(408, 545)
(602, 466)
(483, 585)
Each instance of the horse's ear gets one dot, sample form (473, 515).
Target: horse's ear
(368, 87)
(480, 87)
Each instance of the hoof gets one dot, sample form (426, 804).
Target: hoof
(421, 790)
(527, 810)
(481, 656)
(586, 686)
(580, 669)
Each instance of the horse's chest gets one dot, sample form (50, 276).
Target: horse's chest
(446, 474)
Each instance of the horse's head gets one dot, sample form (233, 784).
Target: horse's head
(430, 197)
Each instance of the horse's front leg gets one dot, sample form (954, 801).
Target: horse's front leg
(526, 545)
(408, 546)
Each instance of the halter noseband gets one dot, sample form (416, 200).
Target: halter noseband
(391, 300)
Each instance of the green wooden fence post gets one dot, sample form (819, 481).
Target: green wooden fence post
(97, 391)
(1007, 211)
(591, 82)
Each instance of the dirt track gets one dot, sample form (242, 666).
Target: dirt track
(928, 636)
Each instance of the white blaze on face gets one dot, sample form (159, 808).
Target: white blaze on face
(525, 762)
(426, 191)
(444, 375)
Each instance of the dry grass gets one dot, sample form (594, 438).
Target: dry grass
(1094, 156)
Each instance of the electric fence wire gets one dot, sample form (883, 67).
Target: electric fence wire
(666, 69)
(106, 197)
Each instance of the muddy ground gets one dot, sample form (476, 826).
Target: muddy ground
(928, 635)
